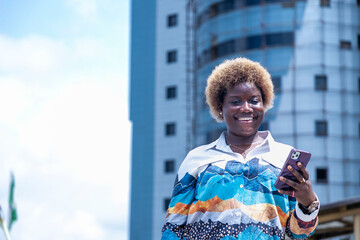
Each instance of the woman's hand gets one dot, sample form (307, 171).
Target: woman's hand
(303, 190)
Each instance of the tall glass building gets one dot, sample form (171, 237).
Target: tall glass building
(311, 48)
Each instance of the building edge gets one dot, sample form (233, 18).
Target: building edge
(142, 82)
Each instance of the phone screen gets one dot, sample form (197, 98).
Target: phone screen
(293, 158)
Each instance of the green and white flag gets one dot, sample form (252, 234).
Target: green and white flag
(3, 225)
(12, 206)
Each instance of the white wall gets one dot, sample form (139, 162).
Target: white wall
(173, 110)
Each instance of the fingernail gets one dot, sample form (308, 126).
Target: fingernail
(282, 178)
(299, 164)
(289, 167)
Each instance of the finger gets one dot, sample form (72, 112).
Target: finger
(304, 171)
(298, 176)
(289, 182)
(289, 193)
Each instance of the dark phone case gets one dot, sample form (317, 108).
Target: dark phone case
(294, 157)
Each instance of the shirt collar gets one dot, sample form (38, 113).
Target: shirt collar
(270, 151)
(220, 143)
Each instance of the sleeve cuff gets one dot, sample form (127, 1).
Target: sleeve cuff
(306, 217)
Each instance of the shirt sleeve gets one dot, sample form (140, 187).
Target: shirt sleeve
(300, 225)
(178, 210)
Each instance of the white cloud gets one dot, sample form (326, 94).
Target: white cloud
(65, 133)
(46, 221)
(84, 226)
(12, 100)
(85, 8)
(89, 48)
(33, 54)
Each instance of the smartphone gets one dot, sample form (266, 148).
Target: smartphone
(294, 157)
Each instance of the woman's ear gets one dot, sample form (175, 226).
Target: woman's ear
(220, 111)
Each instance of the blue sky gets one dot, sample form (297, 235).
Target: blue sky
(64, 117)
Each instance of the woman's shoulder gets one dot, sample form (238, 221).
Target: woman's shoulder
(196, 159)
(277, 154)
(199, 150)
(282, 147)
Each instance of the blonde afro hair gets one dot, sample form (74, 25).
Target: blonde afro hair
(232, 72)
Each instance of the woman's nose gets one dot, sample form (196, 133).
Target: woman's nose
(245, 107)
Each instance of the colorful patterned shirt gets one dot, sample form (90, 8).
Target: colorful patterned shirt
(220, 195)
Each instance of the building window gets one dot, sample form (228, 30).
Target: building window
(321, 175)
(223, 49)
(171, 92)
(277, 84)
(166, 203)
(321, 128)
(169, 166)
(214, 134)
(288, 4)
(325, 3)
(170, 129)
(264, 126)
(172, 20)
(279, 39)
(225, 6)
(239, 45)
(345, 44)
(252, 2)
(172, 56)
(253, 42)
(320, 82)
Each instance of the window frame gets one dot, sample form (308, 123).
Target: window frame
(325, 3)
(171, 92)
(171, 56)
(171, 168)
(321, 82)
(276, 80)
(323, 180)
(321, 128)
(172, 20)
(166, 204)
(344, 44)
(170, 129)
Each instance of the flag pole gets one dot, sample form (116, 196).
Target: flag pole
(3, 226)
(12, 206)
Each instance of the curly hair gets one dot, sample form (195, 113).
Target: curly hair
(232, 72)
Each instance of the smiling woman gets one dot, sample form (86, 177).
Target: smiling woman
(225, 190)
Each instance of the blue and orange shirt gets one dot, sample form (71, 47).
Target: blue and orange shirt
(218, 194)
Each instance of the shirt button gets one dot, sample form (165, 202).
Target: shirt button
(241, 186)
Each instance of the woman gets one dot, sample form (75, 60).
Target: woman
(225, 190)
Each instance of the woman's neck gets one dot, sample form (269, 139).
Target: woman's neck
(243, 140)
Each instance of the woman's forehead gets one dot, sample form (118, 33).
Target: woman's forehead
(244, 87)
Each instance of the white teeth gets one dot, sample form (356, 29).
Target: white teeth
(245, 119)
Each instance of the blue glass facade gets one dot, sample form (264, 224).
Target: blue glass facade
(263, 31)
(142, 116)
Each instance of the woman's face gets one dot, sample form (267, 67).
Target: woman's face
(243, 110)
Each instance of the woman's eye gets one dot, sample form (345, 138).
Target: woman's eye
(235, 102)
(254, 101)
